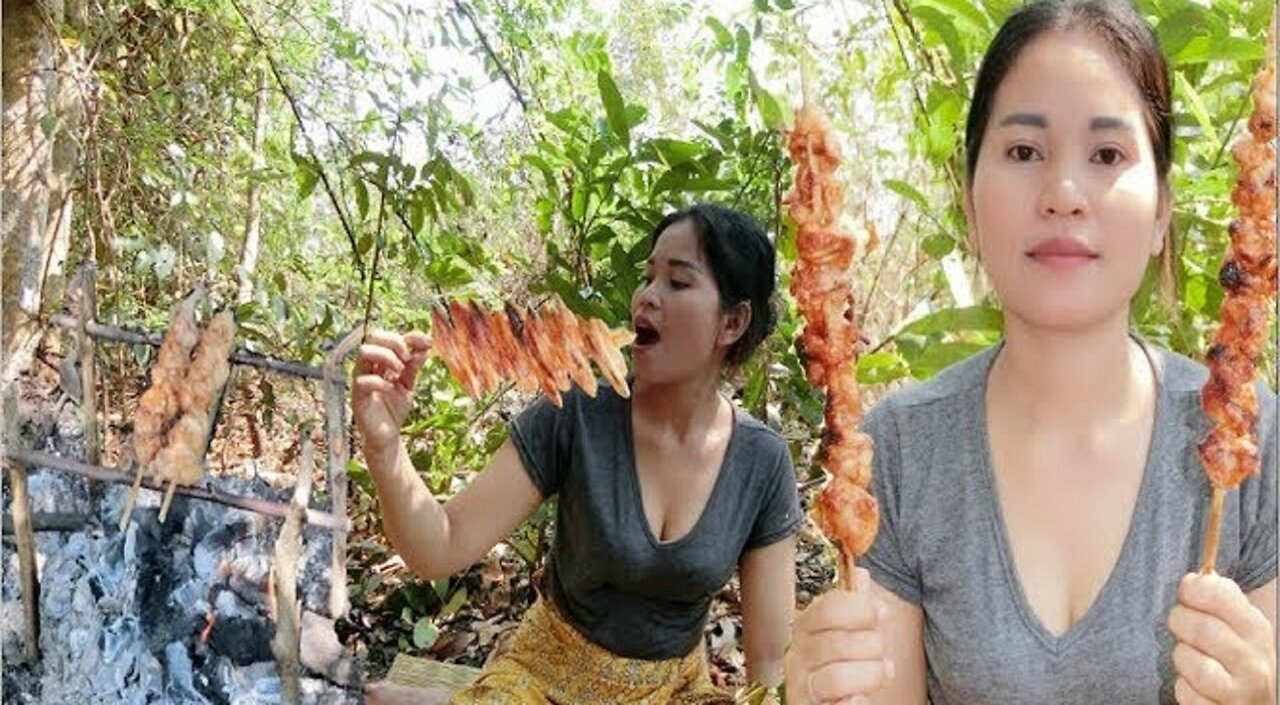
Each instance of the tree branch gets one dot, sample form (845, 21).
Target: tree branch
(343, 218)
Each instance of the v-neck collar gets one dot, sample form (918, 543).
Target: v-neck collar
(1060, 643)
(633, 474)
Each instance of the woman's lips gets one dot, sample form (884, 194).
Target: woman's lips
(1062, 253)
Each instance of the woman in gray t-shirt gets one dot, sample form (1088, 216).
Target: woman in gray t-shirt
(1042, 504)
(661, 496)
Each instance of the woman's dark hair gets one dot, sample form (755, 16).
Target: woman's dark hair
(1116, 23)
(742, 261)
(1129, 37)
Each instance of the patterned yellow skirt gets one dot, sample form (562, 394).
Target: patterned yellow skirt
(550, 663)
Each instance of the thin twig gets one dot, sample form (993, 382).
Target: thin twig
(133, 337)
(493, 55)
(343, 217)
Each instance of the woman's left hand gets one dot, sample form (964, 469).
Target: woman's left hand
(1225, 652)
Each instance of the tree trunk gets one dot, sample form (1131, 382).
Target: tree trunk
(40, 109)
(253, 214)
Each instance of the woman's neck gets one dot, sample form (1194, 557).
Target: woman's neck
(684, 408)
(1079, 378)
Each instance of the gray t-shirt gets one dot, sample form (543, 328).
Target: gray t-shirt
(607, 574)
(942, 545)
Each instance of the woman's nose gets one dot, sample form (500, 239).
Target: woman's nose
(1061, 195)
(647, 296)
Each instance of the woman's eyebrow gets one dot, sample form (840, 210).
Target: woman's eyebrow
(677, 262)
(1108, 122)
(1101, 122)
(1026, 119)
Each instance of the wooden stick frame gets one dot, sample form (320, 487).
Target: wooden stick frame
(86, 329)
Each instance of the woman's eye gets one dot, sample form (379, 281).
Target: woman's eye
(1023, 153)
(1108, 156)
(679, 284)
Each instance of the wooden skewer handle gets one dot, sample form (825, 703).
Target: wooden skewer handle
(1209, 555)
(168, 497)
(846, 570)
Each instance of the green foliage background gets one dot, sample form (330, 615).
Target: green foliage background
(516, 149)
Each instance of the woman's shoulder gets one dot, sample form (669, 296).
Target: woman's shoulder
(960, 379)
(1180, 375)
(757, 433)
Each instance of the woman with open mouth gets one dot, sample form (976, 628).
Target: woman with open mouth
(1042, 502)
(661, 496)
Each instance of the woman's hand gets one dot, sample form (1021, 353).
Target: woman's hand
(386, 369)
(837, 650)
(1225, 652)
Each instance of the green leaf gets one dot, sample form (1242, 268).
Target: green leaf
(908, 192)
(307, 175)
(48, 125)
(1179, 28)
(724, 40)
(785, 5)
(417, 216)
(441, 586)
(881, 367)
(755, 387)
(999, 10)
(425, 633)
(674, 178)
(968, 18)
(362, 198)
(455, 602)
(770, 110)
(614, 108)
(936, 356)
(1205, 49)
(578, 203)
(1197, 108)
(710, 183)
(945, 27)
(673, 152)
(573, 298)
(981, 318)
(938, 245)
(1195, 294)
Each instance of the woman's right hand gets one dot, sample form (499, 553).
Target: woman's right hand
(386, 369)
(837, 652)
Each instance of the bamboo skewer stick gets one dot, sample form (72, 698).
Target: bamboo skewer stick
(1209, 555)
(1232, 335)
(845, 570)
(168, 497)
(131, 499)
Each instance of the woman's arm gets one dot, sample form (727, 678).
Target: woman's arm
(767, 576)
(437, 541)
(434, 540)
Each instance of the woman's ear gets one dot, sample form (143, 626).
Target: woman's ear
(1160, 239)
(734, 323)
